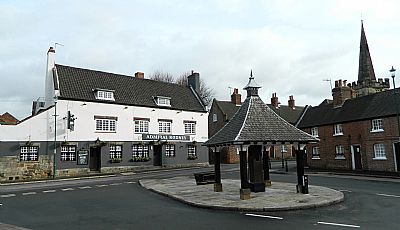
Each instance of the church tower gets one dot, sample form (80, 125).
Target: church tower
(367, 83)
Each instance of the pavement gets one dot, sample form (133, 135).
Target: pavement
(10, 227)
(278, 197)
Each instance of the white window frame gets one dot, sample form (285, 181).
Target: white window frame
(116, 152)
(337, 130)
(377, 125)
(105, 95)
(379, 151)
(339, 152)
(283, 149)
(141, 126)
(192, 151)
(29, 153)
(215, 117)
(170, 150)
(139, 150)
(315, 153)
(106, 125)
(164, 126)
(190, 127)
(314, 131)
(163, 101)
(68, 153)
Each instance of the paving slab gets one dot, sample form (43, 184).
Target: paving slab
(278, 197)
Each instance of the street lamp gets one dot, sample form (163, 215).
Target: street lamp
(393, 73)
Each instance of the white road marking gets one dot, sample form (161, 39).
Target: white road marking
(102, 185)
(115, 184)
(344, 190)
(8, 195)
(1, 204)
(388, 195)
(128, 173)
(48, 191)
(130, 182)
(28, 193)
(86, 187)
(67, 189)
(342, 225)
(271, 217)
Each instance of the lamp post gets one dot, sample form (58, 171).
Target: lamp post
(393, 73)
(55, 136)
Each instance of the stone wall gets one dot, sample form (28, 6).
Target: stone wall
(14, 169)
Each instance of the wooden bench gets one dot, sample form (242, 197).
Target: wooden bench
(204, 178)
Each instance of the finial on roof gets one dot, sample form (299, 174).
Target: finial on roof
(252, 87)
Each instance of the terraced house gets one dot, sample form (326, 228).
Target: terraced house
(359, 128)
(103, 122)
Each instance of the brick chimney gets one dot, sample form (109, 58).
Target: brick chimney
(236, 98)
(274, 100)
(139, 75)
(341, 93)
(291, 102)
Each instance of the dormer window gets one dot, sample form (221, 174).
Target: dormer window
(104, 94)
(163, 101)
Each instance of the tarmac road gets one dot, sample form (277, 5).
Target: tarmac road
(118, 202)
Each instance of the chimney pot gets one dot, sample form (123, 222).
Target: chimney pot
(139, 75)
(236, 98)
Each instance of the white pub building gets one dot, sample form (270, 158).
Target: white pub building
(103, 122)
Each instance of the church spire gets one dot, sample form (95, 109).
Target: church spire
(366, 74)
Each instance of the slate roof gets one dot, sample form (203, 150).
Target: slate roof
(372, 106)
(255, 121)
(228, 108)
(286, 112)
(78, 84)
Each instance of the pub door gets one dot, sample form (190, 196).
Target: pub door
(157, 153)
(95, 159)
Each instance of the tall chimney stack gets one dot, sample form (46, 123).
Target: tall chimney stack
(291, 102)
(49, 85)
(236, 98)
(341, 93)
(194, 81)
(274, 100)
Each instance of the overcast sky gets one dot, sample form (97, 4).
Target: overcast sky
(291, 46)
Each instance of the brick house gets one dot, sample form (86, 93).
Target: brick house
(358, 129)
(222, 111)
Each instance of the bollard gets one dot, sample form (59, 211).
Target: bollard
(286, 169)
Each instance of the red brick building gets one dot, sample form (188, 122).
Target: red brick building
(358, 130)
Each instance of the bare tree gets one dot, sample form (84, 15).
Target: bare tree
(162, 76)
(206, 93)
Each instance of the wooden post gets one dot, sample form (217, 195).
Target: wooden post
(300, 169)
(217, 171)
(244, 183)
(267, 179)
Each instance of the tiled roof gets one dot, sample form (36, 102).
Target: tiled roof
(286, 112)
(255, 121)
(78, 84)
(228, 108)
(362, 108)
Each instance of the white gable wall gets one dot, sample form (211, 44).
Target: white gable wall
(41, 126)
